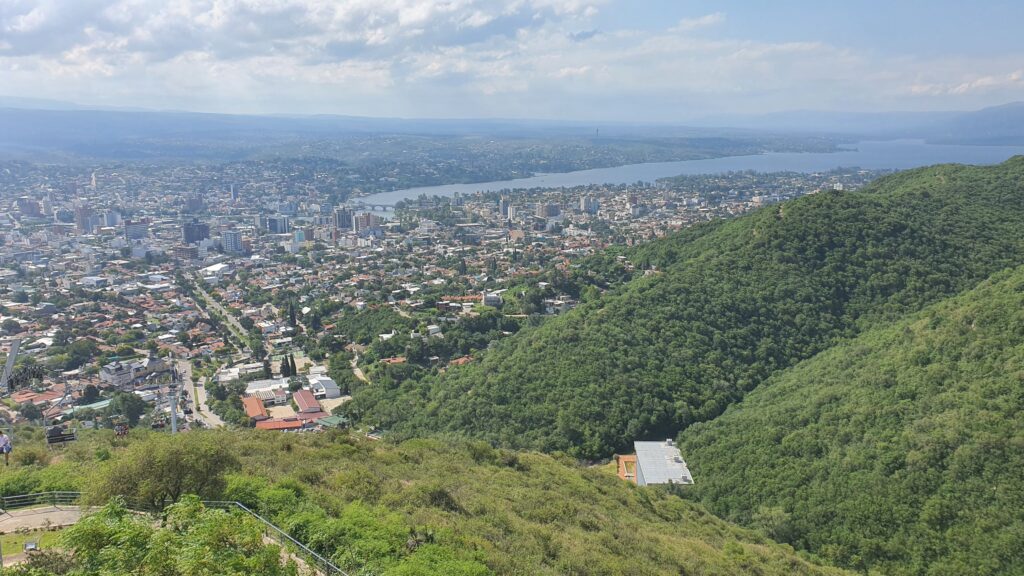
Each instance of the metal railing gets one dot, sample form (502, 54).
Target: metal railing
(40, 499)
(281, 537)
(303, 552)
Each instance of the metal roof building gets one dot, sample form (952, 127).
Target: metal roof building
(660, 463)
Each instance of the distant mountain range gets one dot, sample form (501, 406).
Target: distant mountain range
(37, 126)
(999, 125)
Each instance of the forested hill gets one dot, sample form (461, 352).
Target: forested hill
(730, 305)
(901, 451)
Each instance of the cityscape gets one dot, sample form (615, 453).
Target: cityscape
(511, 288)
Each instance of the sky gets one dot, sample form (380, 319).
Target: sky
(639, 60)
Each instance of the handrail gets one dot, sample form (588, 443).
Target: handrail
(67, 498)
(38, 498)
(276, 533)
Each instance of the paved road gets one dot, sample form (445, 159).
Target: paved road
(36, 518)
(233, 326)
(204, 414)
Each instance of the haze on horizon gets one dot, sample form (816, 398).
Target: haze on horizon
(661, 61)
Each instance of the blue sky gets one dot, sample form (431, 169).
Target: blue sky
(654, 60)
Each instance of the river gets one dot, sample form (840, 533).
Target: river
(898, 155)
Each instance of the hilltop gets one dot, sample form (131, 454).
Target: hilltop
(422, 507)
(899, 451)
(724, 307)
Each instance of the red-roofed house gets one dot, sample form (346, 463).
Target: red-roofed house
(275, 424)
(305, 401)
(254, 408)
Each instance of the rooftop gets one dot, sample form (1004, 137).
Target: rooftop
(660, 463)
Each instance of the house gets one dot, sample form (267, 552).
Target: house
(117, 374)
(654, 463)
(305, 401)
(270, 384)
(323, 387)
(277, 424)
(254, 408)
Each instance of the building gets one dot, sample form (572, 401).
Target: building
(366, 223)
(185, 252)
(279, 225)
(305, 402)
(195, 232)
(231, 240)
(589, 205)
(343, 218)
(83, 219)
(654, 463)
(123, 374)
(117, 374)
(29, 207)
(548, 210)
(491, 299)
(323, 387)
(135, 230)
(194, 204)
(254, 408)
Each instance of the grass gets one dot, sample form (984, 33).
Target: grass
(14, 543)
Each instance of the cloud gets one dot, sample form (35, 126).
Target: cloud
(975, 84)
(505, 58)
(706, 21)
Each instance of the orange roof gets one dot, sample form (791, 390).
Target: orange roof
(279, 424)
(254, 408)
(305, 401)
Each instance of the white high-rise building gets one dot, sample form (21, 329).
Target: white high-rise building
(231, 240)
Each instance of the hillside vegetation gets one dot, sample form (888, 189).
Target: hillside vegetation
(419, 508)
(901, 451)
(731, 304)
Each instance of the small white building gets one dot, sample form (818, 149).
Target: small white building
(660, 463)
(323, 387)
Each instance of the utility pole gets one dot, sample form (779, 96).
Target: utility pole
(174, 390)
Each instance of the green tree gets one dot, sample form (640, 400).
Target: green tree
(128, 405)
(166, 467)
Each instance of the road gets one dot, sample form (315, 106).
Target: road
(233, 326)
(203, 412)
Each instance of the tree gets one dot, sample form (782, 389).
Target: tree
(267, 371)
(203, 541)
(164, 468)
(291, 362)
(286, 368)
(10, 326)
(30, 411)
(90, 394)
(128, 405)
(21, 297)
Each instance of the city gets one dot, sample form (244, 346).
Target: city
(108, 274)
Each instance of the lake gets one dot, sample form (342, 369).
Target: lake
(898, 155)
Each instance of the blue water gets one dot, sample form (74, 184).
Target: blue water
(899, 155)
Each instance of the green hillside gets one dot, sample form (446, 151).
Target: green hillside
(419, 508)
(732, 304)
(901, 451)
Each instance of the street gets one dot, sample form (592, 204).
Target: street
(203, 412)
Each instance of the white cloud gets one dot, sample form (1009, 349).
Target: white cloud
(447, 57)
(706, 21)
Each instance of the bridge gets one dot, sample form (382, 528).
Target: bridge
(375, 207)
